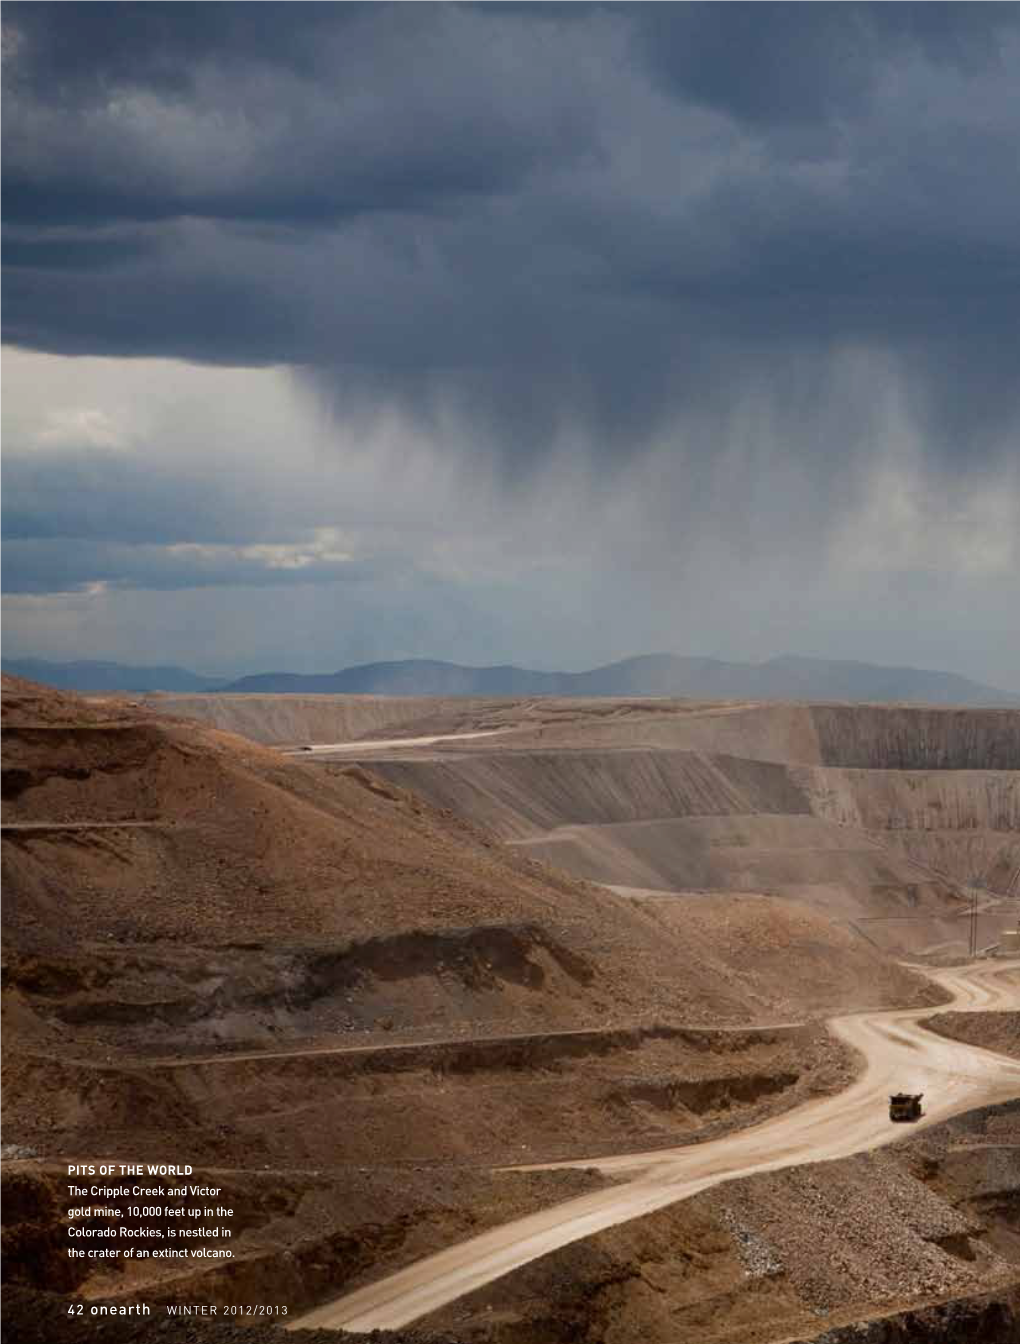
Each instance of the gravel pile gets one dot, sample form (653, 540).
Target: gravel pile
(857, 1230)
(755, 1253)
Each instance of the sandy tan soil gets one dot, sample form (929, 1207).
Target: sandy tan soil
(350, 997)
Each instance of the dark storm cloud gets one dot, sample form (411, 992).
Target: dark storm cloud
(527, 223)
(88, 47)
(776, 63)
(298, 113)
(117, 498)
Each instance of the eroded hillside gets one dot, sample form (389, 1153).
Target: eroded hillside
(175, 894)
(346, 983)
(148, 837)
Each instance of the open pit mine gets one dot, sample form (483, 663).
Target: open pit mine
(509, 1021)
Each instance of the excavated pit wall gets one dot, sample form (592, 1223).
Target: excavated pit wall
(937, 790)
(522, 794)
(892, 737)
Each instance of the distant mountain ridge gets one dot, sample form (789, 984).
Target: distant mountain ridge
(99, 676)
(786, 678)
(666, 674)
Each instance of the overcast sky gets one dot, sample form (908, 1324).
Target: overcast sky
(528, 332)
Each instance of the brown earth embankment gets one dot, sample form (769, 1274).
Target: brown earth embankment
(472, 1101)
(992, 1031)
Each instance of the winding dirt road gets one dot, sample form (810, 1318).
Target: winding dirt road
(900, 1056)
(359, 747)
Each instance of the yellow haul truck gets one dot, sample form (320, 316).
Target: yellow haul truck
(905, 1106)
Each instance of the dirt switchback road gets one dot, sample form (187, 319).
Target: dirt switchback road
(900, 1056)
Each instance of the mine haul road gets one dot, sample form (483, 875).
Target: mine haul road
(361, 745)
(900, 1055)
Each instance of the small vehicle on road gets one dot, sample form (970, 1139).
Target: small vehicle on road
(905, 1106)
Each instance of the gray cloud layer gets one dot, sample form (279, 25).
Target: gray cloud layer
(531, 220)
(733, 260)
